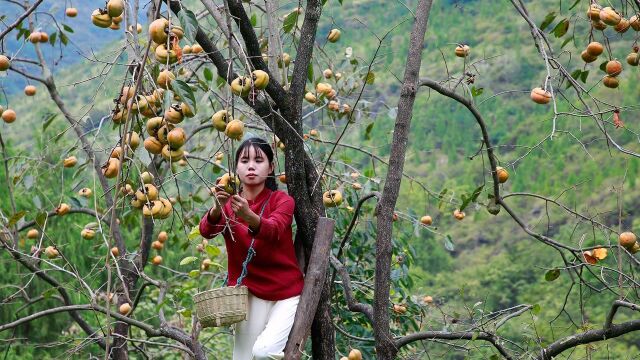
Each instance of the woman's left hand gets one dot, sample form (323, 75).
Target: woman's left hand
(240, 207)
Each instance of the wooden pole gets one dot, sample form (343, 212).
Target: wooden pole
(313, 284)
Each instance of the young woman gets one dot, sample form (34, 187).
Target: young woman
(273, 277)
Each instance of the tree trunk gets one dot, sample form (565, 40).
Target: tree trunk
(385, 348)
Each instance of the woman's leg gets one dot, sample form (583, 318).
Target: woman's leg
(271, 342)
(247, 331)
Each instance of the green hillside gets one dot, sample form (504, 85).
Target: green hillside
(490, 260)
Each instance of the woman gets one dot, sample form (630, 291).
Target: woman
(273, 277)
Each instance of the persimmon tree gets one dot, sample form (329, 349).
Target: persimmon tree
(196, 79)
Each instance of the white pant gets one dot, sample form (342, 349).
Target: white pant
(264, 334)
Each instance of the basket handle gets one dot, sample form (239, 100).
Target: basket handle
(251, 252)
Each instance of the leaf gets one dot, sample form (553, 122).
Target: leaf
(189, 24)
(47, 120)
(551, 275)
(185, 312)
(367, 131)
(476, 91)
(254, 19)
(603, 66)
(36, 201)
(393, 112)
(67, 28)
(52, 38)
(310, 72)
(212, 250)
(566, 41)
(194, 274)
(185, 93)
(370, 77)
(574, 4)
(466, 200)
(290, 21)
(536, 309)
(208, 74)
(474, 336)
(76, 202)
(441, 196)
(583, 76)
(41, 218)
(548, 20)
(16, 217)
(63, 38)
(448, 243)
(576, 74)
(188, 260)
(195, 232)
(561, 28)
(28, 181)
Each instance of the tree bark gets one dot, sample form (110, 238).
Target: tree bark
(384, 340)
(315, 278)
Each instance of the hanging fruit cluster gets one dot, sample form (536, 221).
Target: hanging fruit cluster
(147, 198)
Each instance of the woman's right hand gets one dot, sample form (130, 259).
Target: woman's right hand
(221, 197)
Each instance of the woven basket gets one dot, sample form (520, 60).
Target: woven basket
(221, 307)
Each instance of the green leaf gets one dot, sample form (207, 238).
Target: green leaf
(566, 41)
(548, 20)
(535, 310)
(290, 21)
(63, 38)
(41, 218)
(184, 312)
(212, 250)
(574, 4)
(370, 77)
(551, 275)
(367, 131)
(28, 181)
(67, 28)
(603, 66)
(583, 76)
(208, 74)
(188, 260)
(441, 197)
(195, 232)
(476, 91)
(49, 293)
(474, 336)
(48, 118)
(254, 19)
(467, 199)
(194, 274)
(185, 93)
(448, 243)
(189, 24)
(561, 28)
(16, 217)
(310, 72)
(52, 38)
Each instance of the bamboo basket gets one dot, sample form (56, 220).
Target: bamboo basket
(222, 306)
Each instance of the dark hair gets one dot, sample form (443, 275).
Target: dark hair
(261, 144)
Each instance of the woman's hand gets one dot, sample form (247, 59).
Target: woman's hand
(240, 207)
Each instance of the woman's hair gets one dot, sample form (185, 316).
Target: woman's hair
(259, 144)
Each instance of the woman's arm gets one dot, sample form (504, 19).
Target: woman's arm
(212, 223)
(270, 227)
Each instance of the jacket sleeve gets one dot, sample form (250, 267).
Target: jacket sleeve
(210, 229)
(277, 221)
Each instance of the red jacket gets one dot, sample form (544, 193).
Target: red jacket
(273, 273)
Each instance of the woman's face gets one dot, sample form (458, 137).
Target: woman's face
(253, 166)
